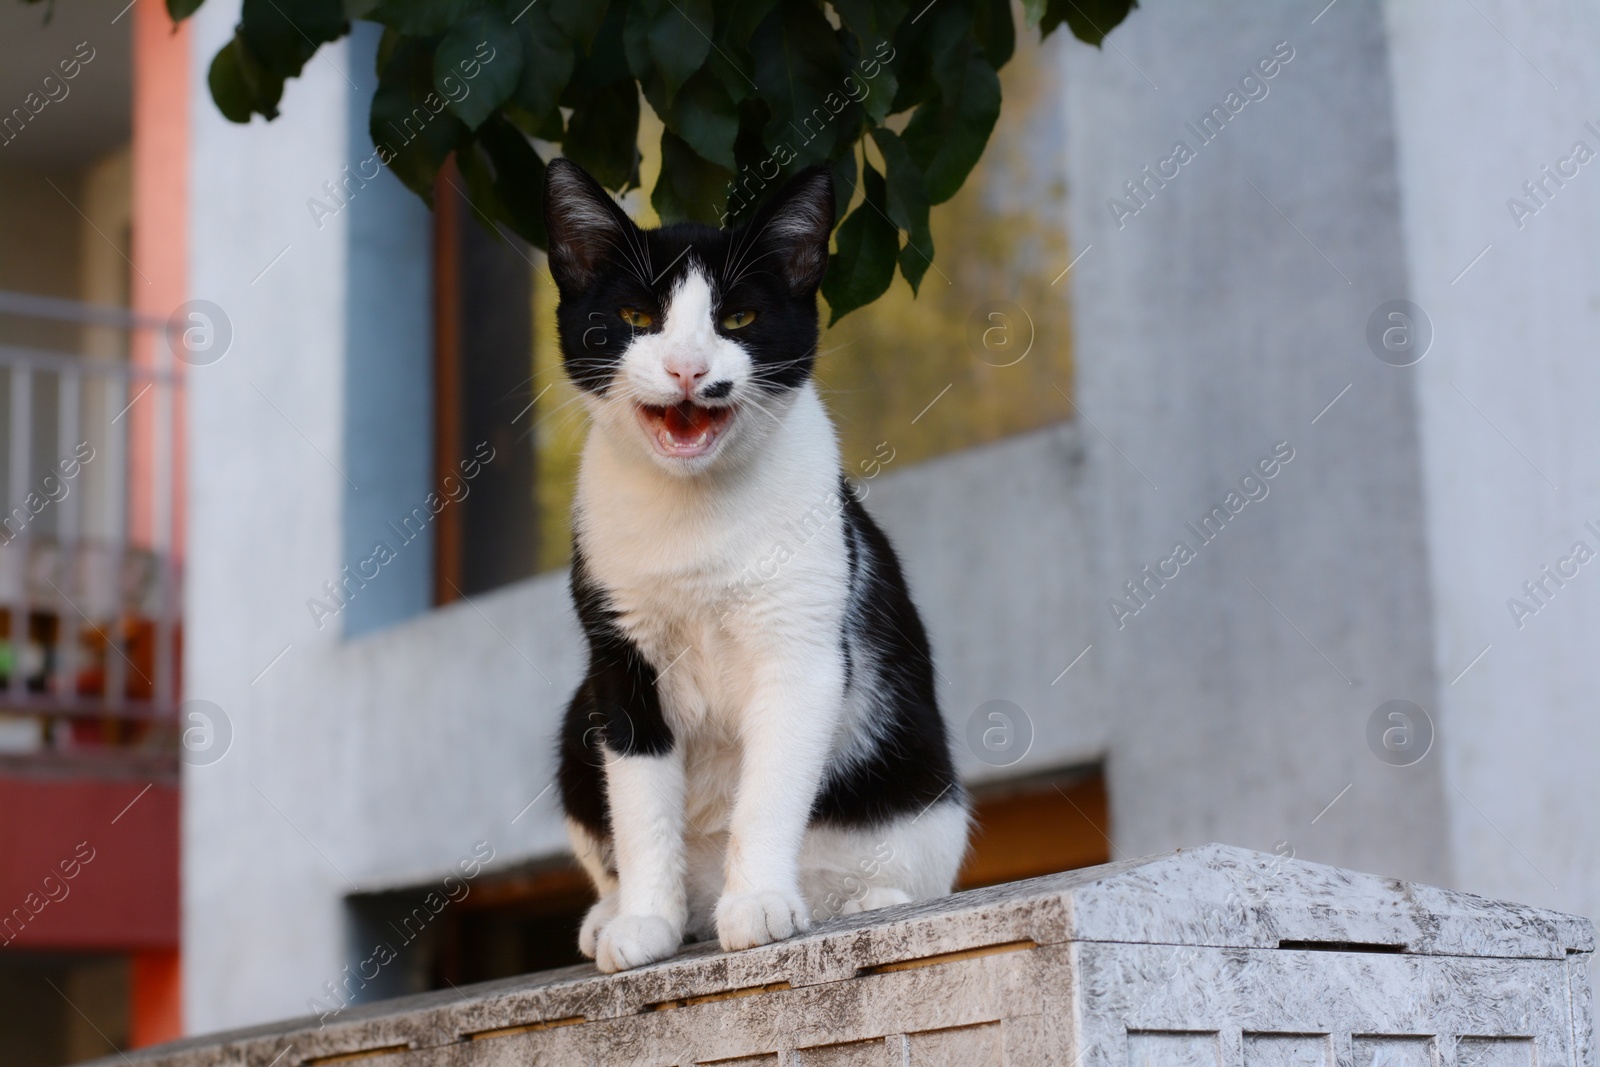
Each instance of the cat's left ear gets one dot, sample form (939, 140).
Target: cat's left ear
(585, 225)
(796, 224)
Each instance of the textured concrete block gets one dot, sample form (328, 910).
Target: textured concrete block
(1207, 957)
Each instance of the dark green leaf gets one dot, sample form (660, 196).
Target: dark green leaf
(580, 20)
(554, 127)
(704, 116)
(547, 62)
(844, 183)
(483, 202)
(797, 67)
(669, 38)
(605, 63)
(1089, 20)
(283, 34)
(918, 44)
(738, 19)
(386, 48)
(178, 10)
(228, 86)
(603, 134)
(907, 205)
(412, 139)
(690, 188)
(240, 85)
(423, 18)
(478, 65)
(518, 179)
(862, 269)
(869, 28)
(996, 31)
(730, 60)
(655, 93)
(266, 88)
(358, 9)
(756, 168)
(872, 21)
(947, 136)
(406, 62)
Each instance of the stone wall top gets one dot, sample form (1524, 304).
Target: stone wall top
(1214, 896)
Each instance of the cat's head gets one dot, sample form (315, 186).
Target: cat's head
(688, 341)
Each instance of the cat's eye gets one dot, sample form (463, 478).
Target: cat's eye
(738, 320)
(639, 320)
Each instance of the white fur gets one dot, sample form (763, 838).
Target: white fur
(686, 349)
(716, 833)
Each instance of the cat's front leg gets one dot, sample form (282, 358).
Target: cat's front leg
(646, 795)
(644, 787)
(786, 734)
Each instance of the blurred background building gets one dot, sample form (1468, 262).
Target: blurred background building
(318, 562)
(91, 539)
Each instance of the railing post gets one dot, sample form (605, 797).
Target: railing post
(68, 389)
(17, 541)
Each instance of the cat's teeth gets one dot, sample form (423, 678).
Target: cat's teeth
(674, 443)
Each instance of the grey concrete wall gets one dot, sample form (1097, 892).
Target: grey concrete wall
(1510, 424)
(1220, 319)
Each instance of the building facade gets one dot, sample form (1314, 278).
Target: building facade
(1264, 510)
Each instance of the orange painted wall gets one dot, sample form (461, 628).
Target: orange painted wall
(160, 240)
(161, 59)
(157, 995)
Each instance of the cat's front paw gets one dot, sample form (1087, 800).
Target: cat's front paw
(635, 940)
(745, 920)
(604, 910)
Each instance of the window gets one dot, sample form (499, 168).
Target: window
(1037, 825)
(483, 343)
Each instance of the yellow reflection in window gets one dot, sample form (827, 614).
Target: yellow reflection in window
(953, 367)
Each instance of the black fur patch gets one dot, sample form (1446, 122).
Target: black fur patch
(616, 708)
(910, 769)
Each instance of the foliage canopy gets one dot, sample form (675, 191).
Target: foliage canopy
(749, 91)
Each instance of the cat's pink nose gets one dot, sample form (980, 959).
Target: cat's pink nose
(687, 374)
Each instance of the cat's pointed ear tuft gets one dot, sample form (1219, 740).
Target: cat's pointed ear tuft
(582, 221)
(798, 221)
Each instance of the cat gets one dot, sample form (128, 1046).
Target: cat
(756, 743)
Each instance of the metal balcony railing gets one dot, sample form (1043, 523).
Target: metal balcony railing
(90, 568)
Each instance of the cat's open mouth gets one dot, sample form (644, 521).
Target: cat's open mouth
(684, 430)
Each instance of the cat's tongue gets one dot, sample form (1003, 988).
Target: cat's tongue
(686, 422)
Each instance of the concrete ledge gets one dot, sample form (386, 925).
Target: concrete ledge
(1206, 957)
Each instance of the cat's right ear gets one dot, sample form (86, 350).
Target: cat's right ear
(583, 222)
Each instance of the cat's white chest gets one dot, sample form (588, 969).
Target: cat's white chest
(709, 580)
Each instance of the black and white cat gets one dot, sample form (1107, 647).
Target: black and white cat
(756, 743)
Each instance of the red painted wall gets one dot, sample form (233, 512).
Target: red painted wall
(89, 865)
